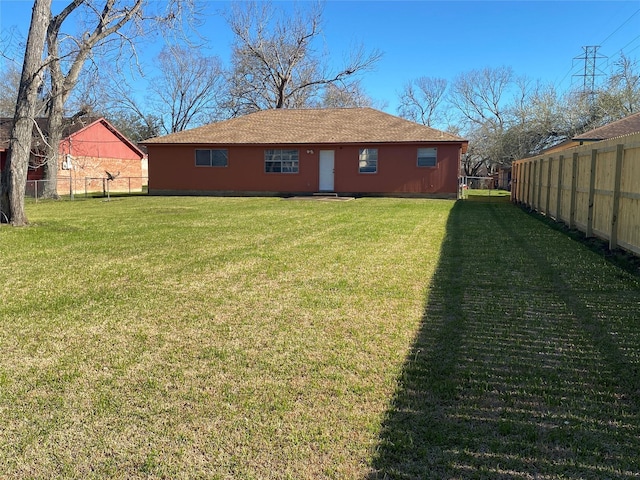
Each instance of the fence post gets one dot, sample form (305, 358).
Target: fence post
(531, 190)
(516, 182)
(539, 201)
(615, 209)
(525, 182)
(522, 184)
(574, 189)
(548, 187)
(533, 175)
(559, 199)
(592, 192)
(530, 185)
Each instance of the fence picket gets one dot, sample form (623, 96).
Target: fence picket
(615, 209)
(606, 203)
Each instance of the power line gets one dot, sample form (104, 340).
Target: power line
(585, 76)
(633, 49)
(620, 51)
(622, 25)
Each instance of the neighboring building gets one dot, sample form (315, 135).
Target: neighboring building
(90, 148)
(504, 177)
(624, 126)
(619, 128)
(349, 151)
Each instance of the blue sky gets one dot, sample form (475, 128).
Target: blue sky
(539, 39)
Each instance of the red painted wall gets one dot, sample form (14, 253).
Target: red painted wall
(33, 173)
(94, 150)
(172, 170)
(97, 140)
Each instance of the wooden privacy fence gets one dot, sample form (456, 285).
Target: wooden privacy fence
(594, 188)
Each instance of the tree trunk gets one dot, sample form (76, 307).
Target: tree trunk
(54, 129)
(14, 175)
(109, 21)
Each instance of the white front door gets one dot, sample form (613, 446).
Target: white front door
(326, 171)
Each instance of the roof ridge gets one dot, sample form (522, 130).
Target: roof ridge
(311, 125)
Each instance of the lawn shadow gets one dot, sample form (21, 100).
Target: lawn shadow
(526, 364)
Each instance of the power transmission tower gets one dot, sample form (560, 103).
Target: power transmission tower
(590, 58)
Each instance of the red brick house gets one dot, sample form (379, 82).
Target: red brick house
(90, 148)
(348, 151)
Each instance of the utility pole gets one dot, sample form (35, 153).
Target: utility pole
(590, 58)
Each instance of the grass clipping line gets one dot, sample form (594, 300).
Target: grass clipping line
(258, 338)
(211, 338)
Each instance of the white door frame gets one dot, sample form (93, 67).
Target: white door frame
(326, 167)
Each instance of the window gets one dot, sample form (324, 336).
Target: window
(368, 161)
(212, 158)
(427, 157)
(281, 161)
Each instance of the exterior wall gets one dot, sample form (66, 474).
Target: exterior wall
(172, 170)
(94, 151)
(34, 172)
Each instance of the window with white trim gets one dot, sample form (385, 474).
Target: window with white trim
(427, 157)
(368, 160)
(212, 158)
(281, 161)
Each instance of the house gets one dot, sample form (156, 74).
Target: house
(347, 151)
(90, 147)
(624, 126)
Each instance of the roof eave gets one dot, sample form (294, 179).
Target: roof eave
(311, 142)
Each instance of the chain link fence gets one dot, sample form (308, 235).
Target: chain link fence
(68, 188)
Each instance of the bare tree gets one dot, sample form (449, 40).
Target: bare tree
(338, 95)
(533, 121)
(621, 95)
(129, 112)
(133, 126)
(480, 98)
(479, 95)
(421, 99)
(9, 84)
(185, 93)
(14, 175)
(274, 64)
(187, 88)
(109, 19)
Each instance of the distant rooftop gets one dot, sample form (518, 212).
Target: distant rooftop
(624, 126)
(70, 126)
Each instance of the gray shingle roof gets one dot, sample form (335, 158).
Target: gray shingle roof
(310, 126)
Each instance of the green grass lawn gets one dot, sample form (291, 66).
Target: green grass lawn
(483, 194)
(208, 337)
(248, 338)
(527, 364)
